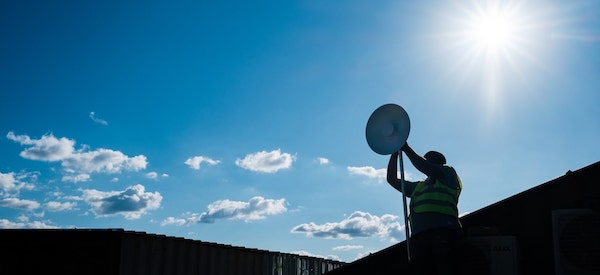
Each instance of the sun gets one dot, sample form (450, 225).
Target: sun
(492, 29)
(492, 32)
(488, 46)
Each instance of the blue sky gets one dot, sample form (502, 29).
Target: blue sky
(243, 123)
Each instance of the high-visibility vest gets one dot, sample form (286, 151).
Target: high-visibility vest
(435, 198)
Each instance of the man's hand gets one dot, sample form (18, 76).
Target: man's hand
(405, 147)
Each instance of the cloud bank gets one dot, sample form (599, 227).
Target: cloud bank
(358, 224)
(257, 208)
(77, 164)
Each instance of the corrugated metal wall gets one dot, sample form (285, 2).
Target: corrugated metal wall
(154, 254)
(116, 251)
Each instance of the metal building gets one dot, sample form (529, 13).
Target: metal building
(121, 252)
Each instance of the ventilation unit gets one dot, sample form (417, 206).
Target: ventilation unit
(493, 255)
(576, 235)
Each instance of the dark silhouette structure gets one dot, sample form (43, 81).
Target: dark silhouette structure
(121, 252)
(553, 228)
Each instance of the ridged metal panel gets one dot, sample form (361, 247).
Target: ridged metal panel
(115, 251)
(155, 254)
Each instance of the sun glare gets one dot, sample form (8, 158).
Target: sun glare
(492, 31)
(493, 42)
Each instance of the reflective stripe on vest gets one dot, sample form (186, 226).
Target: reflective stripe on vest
(436, 198)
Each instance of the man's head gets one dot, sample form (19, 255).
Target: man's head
(435, 157)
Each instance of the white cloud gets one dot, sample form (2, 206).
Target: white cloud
(368, 171)
(358, 224)
(135, 163)
(347, 247)
(97, 120)
(23, 218)
(196, 161)
(6, 224)
(13, 182)
(257, 208)
(77, 163)
(103, 161)
(266, 162)
(19, 204)
(152, 175)
(47, 148)
(371, 172)
(175, 221)
(323, 161)
(131, 203)
(54, 206)
(76, 178)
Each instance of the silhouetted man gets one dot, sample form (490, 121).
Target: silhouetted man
(435, 228)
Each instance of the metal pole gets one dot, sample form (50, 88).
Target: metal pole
(406, 226)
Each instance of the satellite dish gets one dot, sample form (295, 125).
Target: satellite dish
(387, 129)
